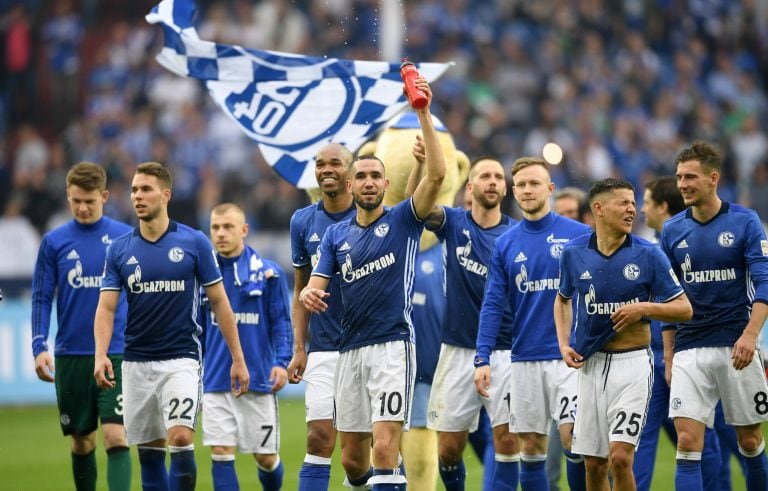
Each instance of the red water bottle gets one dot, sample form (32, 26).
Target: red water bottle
(409, 74)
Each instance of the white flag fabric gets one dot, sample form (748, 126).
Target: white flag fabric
(290, 104)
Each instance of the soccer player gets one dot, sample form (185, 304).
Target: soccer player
(661, 200)
(720, 252)
(523, 276)
(468, 237)
(161, 266)
(568, 202)
(69, 266)
(375, 254)
(620, 281)
(258, 293)
(314, 359)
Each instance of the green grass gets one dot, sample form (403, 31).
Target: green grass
(34, 455)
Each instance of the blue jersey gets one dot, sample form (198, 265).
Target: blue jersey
(723, 266)
(428, 311)
(637, 272)
(308, 226)
(467, 253)
(258, 293)
(69, 265)
(376, 264)
(525, 275)
(162, 280)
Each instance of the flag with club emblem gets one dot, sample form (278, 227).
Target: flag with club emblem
(290, 104)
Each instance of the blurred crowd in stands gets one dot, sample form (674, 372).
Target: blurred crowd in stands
(620, 85)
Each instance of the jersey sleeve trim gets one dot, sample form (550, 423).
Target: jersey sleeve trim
(672, 297)
(321, 275)
(210, 283)
(109, 289)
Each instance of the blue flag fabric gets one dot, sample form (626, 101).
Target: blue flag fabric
(290, 104)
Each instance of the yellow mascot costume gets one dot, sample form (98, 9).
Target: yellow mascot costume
(394, 147)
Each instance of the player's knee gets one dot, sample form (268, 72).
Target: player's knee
(687, 441)
(596, 467)
(266, 461)
(750, 442)
(621, 460)
(449, 450)
(83, 444)
(384, 450)
(180, 436)
(355, 465)
(320, 441)
(507, 443)
(114, 435)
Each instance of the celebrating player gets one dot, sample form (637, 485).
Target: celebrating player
(314, 359)
(621, 281)
(720, 252)
(523, 276)
(375, 254)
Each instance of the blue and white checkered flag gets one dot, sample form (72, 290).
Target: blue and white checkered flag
(290, 104)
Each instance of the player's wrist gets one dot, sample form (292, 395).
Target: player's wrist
(480, 361)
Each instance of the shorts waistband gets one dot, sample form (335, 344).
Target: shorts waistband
(626, 353)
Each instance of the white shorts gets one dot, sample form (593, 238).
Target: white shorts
(541, 391)
(702, 376)
(454, 404)
(318, 377)
(374, 383)
(158, 395)
(249, 422)
(613, 395)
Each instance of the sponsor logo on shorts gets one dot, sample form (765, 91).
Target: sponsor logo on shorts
(64, 419)
(675, 403)
(433, 416)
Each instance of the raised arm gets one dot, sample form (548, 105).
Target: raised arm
(300, 317)
(425, 194)
(103, 326)
(219, 302)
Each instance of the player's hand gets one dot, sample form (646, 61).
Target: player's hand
(312, 299)
(278, 377)
(422, 84)
(744, 350)
(571, 358)
(44, 366)
(483, 380)
(627, 315)
(419, 150)
(103, 372)
(297, 366)
(240, 378)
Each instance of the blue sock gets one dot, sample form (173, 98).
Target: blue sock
(315, 473)
(272, 479)
(154, 475)
(453, 475)
(489, 467)
(757, 468)
(688, 471)
(223, 473)
(387, 480)
(533, 472)
(182, 475)
(575, 470)
(506, 472)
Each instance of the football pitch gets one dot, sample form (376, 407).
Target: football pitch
(35, 456)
